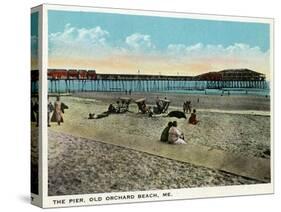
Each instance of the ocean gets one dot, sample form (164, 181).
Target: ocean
(189, 87)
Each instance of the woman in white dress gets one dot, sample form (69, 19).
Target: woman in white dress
(175, 136)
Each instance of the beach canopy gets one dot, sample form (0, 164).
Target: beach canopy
(177, 114)
(164, 100)
(140, 100)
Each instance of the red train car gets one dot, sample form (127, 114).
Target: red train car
(82, 74)
(92, 75)
(57, 74)
(73, 74)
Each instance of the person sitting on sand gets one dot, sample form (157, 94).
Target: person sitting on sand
(165, 133)
(150, 112)
(111, 109)
(144, 109)
(118, 107)
(175, 136)
(98, 116)
(192, 119)
(159, 103)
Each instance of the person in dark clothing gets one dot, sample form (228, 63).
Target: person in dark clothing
(36, 111)
(111, 109)
(187, 107)
(50, 110)
(33, 116)
(165, 133)
(118, 106)
(150, 113)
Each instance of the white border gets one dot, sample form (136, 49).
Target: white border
(189, 193)
(44, 94)
(37, 199)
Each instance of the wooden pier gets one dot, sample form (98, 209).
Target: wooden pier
(74, 80)
(233, 78)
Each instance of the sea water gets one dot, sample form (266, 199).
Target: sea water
(189, 87)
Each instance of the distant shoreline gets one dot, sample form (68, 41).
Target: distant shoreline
(199, 101)
(216, 92)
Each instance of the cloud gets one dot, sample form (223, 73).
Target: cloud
(219, 51)
(217, 57)
(94, 42)
(75, 42)
(94, 48)
(139, 42)
(78, 42)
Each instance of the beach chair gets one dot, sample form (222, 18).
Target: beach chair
(166, 104)
(141, 105)
(125, 103)
(162, 106)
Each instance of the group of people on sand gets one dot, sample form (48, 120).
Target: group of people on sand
(57, 108)
(121, 106)
(187, 109)
(128, 92)
(172, 135)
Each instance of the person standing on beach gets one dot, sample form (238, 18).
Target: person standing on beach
(35, 108)
(50, 109)
(33, 116)
(187, 107)
(58, 111)
(175, 136)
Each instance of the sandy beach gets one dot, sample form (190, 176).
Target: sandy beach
(78, 165)
(90, 156)
(232, 102)
(34, 158)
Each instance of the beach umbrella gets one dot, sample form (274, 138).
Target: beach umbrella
(177, 114)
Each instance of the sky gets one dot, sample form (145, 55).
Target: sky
(34, 40)
(118, 43)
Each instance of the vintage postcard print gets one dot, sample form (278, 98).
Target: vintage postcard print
(146, 106)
